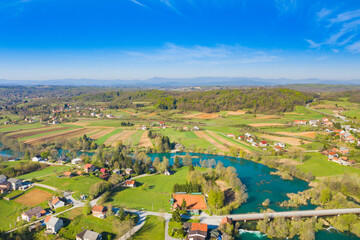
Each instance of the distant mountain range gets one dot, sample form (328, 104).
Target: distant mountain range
(175, 82)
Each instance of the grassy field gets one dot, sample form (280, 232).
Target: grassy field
(320, 166)
(44, 172)
(44, 134)
(134, 139)
(156, 197)
(79, 184)
(11, 128)
(153, 229)
(102, 139)
(107, 123)
(9, 210)
(78, 223)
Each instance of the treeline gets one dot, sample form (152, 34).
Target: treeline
(263, 100)
(20, 168)
(351, 95)
(187, 187)
(162, 143)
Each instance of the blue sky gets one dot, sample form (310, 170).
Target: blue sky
(139, 39)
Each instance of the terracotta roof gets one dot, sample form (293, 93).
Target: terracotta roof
(67, 173)
(98, 208)
(192, 201)
(102, 170)
(79, 172)
(226, 220)
(55, 200)
(47, 219)
(199, 227)
(264, 142)
(130, 182)
(89, 165)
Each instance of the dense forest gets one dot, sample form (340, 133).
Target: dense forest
(256, 99)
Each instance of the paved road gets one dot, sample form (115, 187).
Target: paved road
(324, 113)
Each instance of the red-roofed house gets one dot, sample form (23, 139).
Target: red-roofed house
(130, 183)
(89, 168)
(231, 135)
(99, 211)
(103, 170)
(194, 202)
(263, 144)
(68, 174)
(198, 231)
(56, 202)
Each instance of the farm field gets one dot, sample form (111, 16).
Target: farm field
(52, 170)
(109, 133)
(212, 141)
(123, 136)
(145, 141)
(78, 184)
(287, 140)
(153, 229)
(157, 195)
(12, 128)
(10, 210)
(34, 197)
(38, 132)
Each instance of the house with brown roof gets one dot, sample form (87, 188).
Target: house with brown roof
(5, 187)
(36, 211)
(198, 231)
(56, 202)
(68, 174)
(89, 168)
(99, 211)
(194, 202)
(88, 235)
(130, 183)
(128, 171)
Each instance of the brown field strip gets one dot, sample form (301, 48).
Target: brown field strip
(32, 133)
(203, 115)
(236, 113)
(226, 142)
(34, 197)
(122, 138)
(301, 134)
(66, 135)
(112, 139)
(265, 124)
(26, 130)
(202, 134)
(102, 133)
(288, 140)
(145, 141)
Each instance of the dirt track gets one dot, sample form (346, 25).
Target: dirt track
(202, 134)
(145, 141)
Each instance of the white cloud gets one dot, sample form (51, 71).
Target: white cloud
(313, 44)
(355, 47)
(323, 13)
(285, 5)
(343, 17)
(221, 54)
(171, 6)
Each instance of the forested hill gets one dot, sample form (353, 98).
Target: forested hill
(258, 100)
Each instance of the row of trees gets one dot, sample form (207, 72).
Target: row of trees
(188, 187)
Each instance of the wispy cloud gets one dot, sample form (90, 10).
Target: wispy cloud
(171, 6)
(343, 31)
(285, 5)
(138, 3)
(221, 54)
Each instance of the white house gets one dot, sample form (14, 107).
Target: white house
(167, 172)
(196, 128)
(76, 161)
(53, 224)
(279, 144)
(37, 158)
(247, 135)
(56, 202)
(15, 183)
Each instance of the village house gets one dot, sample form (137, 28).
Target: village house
(76, 161)
(242, 138)
(130, 183)
(144, 128)
(53, 224)
(194, 202)
(195, 128)
(263, 144)
(282, 145)
(247, 135)
(99, 211)
(37, 158)
(254, 144)
(68, 174)
(230, 135)
(56, 202)
(2, 178)
(314, 123)
(300, 122)
(117, 171)
(15, 183)
(185, 128)
(89, 168)
(344, 150)
(63, 159)
(250, 140)
(88, 235)
(198, 231)
(79, 173)
(5, 187)
(36, 211)
(128, 171)
(161, 124)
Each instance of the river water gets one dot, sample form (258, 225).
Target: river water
(261, 185)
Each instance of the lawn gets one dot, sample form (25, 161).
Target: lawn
(102, 139)
(9, 210)
(156, 197)
(320, 166)
(12, 128)
(44, 172)
(81, 222)
(80, 184)
(153, 229)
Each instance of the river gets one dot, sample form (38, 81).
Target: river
(261, 185)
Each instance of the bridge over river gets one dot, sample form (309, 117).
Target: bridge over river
(292, 214)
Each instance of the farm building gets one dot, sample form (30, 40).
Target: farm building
(36, 211)
(99, 211)
(53, 224)
(88, 235)
(194, 202)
